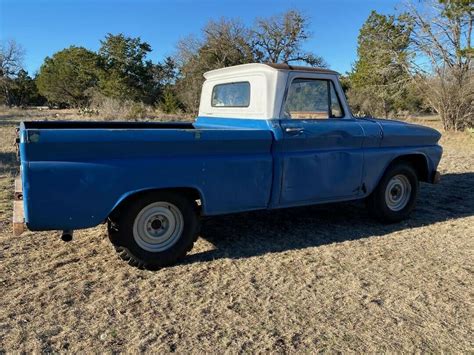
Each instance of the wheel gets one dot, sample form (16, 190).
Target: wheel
(155, 230)
(395, 196)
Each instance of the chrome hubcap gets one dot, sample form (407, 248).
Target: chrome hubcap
(158, 226)
(398, 192)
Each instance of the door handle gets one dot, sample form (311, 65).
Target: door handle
(294, 130)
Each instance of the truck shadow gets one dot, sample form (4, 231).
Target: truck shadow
(256, 233)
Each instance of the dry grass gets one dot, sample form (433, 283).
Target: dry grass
(299, 280)
(109, 110)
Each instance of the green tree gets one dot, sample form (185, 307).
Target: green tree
(69, 76)
(128, 74)
(24, 91)
(165, 73)
(169, 101)
(379, 78)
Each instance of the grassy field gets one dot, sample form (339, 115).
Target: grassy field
(298, 280)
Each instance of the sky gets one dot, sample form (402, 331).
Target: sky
(44, 27)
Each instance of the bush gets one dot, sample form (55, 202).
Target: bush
(110, 108)
(170, 103)
(138, 110)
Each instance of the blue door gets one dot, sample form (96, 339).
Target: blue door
(319, 151)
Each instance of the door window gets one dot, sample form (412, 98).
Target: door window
(312, 99)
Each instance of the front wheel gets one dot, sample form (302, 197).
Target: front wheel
(395, 196)
(155, 230)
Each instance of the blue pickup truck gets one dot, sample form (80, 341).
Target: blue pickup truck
(267, 136)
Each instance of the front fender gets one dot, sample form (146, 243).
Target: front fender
(377, 161)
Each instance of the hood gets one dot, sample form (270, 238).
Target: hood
(398, 133)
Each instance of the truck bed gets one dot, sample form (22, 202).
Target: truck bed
(75, 173)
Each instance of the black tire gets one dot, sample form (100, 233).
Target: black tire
(377, 202)
(123, 236)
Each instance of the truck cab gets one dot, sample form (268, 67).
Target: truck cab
(267, 136)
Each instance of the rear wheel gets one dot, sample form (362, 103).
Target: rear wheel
(155, 230)
(395, 196)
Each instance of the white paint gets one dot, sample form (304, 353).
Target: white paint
(267, 90)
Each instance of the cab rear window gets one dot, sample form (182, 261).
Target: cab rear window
(231, 95)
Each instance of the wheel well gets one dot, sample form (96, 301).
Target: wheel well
(418, 162)
(191, 193)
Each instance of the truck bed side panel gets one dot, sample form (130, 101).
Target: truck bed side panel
(74, 178)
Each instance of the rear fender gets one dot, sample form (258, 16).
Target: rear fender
(193, 193)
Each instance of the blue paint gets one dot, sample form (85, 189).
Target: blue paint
(320, 159)
(74, 177)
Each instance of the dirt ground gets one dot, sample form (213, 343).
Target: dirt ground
(324, 278)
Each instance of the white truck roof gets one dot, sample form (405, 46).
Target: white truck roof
(266, 66)
(267, 87)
